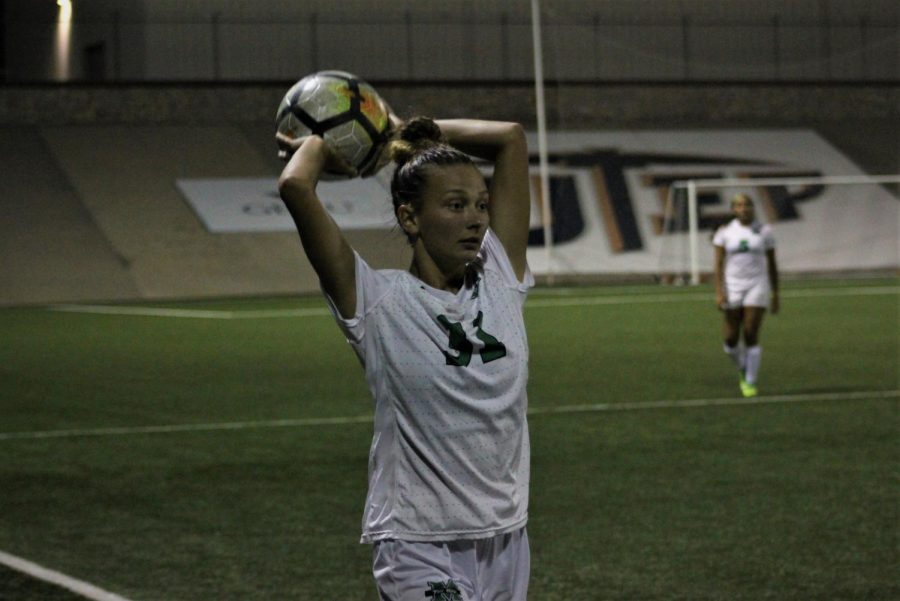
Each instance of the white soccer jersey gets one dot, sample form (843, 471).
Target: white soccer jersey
(450, 453)
(745, 253)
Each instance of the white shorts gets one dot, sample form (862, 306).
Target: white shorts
(486, 569)
(756, 295)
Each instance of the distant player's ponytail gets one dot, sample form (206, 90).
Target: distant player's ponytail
(419, 145)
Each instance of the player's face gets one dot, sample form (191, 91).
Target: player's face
(453, 215)
(743, 209)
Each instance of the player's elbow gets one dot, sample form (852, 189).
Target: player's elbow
(513, 145)
(514, 134)
(295, 188)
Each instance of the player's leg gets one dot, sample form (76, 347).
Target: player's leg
(504, 567)
(753, 317)
(731, 336)
(755, 304)
(420, 571)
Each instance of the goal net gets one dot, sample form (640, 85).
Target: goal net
(826, 224)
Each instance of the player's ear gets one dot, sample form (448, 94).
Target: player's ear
(408, 220)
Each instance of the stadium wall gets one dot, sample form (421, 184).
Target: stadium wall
(95, 213)
(583, 40)
(615, 104)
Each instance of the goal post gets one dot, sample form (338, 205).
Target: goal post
(541, 112)
(689, 191)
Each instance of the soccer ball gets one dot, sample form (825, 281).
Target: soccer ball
(345, 111)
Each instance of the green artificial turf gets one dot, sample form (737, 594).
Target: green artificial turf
(697, 497)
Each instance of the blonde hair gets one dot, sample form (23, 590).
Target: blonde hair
(741, 196)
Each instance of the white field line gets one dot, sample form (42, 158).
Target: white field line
(83, 589)
(535, 303)
(189, 313)
(367, 419)
(725, 401)
(209, 427)
(693, 297)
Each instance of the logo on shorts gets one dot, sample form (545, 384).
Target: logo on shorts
(443, 591)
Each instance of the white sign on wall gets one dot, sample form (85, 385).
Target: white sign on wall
(231, 205)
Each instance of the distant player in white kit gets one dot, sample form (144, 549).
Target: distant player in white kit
(746, 285)
(445, 356)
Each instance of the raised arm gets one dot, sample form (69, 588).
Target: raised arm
(325, 246)
(504, 144)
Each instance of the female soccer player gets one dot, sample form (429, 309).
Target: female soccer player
(746, 285)
(445, 356)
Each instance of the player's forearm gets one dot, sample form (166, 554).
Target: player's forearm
(719, 271)
(297, 187)
(304, 169)
(323, 242)
(773, 271)
(483, 139)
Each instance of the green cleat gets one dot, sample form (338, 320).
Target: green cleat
(748, 389)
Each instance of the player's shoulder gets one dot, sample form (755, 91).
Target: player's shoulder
(376, 283)
(763, 229)
(367, 271)
(723, 230)
(732, 225)
(493, 258)
(767, 235)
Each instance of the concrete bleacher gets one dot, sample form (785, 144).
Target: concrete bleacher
(93, 214)
(125, 178)
(51, 249)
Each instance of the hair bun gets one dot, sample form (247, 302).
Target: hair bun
(421, 130)
(416, 135)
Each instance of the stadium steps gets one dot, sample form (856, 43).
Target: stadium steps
(51, 250)
(125, 176)
(92, 213)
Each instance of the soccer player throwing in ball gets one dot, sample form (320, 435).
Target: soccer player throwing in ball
(746, 285)
(445, 354)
